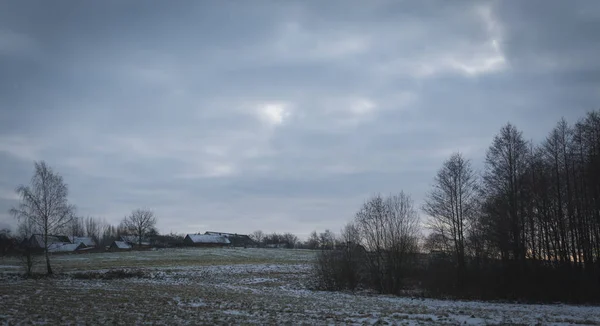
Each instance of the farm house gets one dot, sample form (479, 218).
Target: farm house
(237, 240)
(206, 240)
(119, 246)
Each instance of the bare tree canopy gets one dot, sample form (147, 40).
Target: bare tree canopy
(94, 228)
(313, 240)
(350, 234)
(452, 204)
(389, 228)
(327, 240)
(44, 206)
(77, 228)
(258, 236)
(139, 223)
(506, 163)
(290, 239)
(388, 223)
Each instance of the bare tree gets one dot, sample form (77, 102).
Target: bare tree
(506, 163)
(452, 203)
(327, 239)
(26, 228)
(389, 229)
(436, 242)
(76, 227)
(109, 234)
(350, 234)
(313, 241)
(139, 223)
(44, 204)
(290, 239)
(258, 236)
(93, 228)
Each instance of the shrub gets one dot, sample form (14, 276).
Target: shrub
(109, 275)
(336, 270)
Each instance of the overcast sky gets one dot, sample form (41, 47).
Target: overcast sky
(276, 115)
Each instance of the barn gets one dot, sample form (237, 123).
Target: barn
(236, 240)
(119, 246)
(56, 248)
(134, 241)
(87, 241)
(206, 240)
(36, 241)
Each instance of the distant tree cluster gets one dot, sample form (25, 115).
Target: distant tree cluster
(526, 227)
(376, 249)
(539, 214)
(44, 207)
(325, 240)
(276, 240)
(44, 210)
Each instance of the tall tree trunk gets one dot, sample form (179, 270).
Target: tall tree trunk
(48, 263)
(48, 267)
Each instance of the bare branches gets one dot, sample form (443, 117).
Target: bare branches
(258, 236)
(452, 205)
(139, 223)
(44, 206)
(389, 229)
(388, 223)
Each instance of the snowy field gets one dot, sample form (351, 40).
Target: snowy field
(233, 286)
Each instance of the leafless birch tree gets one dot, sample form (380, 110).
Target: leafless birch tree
(44, 204)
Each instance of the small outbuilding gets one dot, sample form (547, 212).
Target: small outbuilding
(237, 240)
(206, 240)
(87, 241)
(134, 241)
(119, 246)
(65, 247)
(36, 241)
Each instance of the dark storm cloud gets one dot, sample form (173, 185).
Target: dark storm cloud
(276, 115)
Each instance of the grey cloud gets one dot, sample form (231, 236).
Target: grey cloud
(163, 105)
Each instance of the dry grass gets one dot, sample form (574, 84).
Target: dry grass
(232, 286)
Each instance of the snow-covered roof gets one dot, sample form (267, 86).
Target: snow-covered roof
(63, 247)
(225, 234)
(37, 240)
(89, 242)
(134, 240)
(122, 245)
(206, 238)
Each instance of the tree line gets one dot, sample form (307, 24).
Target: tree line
(323, 240)
(525, 227)
(44, 209)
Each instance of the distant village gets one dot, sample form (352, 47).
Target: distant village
(70, 244)
(63, 244)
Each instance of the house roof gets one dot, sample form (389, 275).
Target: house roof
(225, 234)
(89, 242)
(65, 247)
(134, 240)
(122, 245)
(51, 238)
(38, 240)
(237, 240)
(208, 238)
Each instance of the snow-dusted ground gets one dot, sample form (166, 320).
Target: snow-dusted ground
(236, 286)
